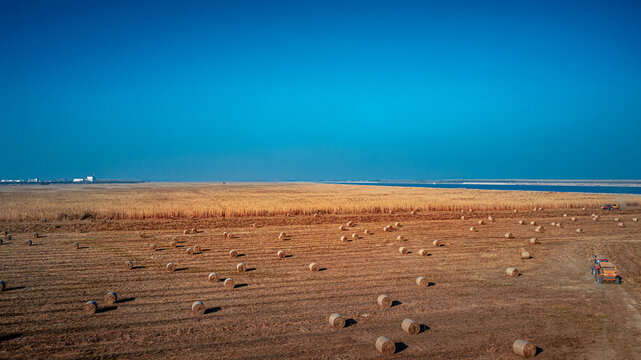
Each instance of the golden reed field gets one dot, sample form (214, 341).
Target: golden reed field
(169, 200)
(96, 239)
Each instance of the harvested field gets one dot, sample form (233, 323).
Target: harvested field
(280, 309)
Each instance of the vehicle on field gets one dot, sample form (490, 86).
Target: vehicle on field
(604, 271)
(610, 207)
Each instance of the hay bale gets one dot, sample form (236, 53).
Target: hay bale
(402, 250)
(512, 271)
(532, 223)
(540, 209)
(481, 222)
(281, 254)
(525, 255)
(410, 326)
(539, 229)
(384, 301)
(385, 346)
(558, 225)
(400, 238)
(579, 230)
(197, 248)
(470, 210)
(240, 267)
(350, 223)
(36, 235)
(366, 232)
(110, 298)
(313, 267)
(565, 215)
(472, 229)
(229, 283)
(463, 217)
(583, 209)
(595, 218)
(189, 251)
(76, 245)
(423, 252)
(553, 223)
(515, 210)
(524, 348)
(344, 238)
(233, 253)
(230, 235)
(152, 247)
(28, 242)
(173, 243)
(225, 233)
(355, 236)
(413, 212)
(315, 214)
(170, 267)
(194, 231)
(336, 321)
(635, 219)
(341, 228)
(490, 219)
(387, 228)
(397, 224)
(185, 232)
(508, 235)
(421, 281)
(212, 277)
(616, 219)
(129, 265)
(141, 234)
(2, 285)
(436, 243)
(621, 224)
(90, 307)
(521, 222)
(198, 308)
(534, 241)
(282, 234)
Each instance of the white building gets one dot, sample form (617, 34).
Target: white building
(77, 180)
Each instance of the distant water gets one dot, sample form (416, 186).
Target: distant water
(578, 189)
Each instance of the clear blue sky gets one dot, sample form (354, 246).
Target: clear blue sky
(320, 90)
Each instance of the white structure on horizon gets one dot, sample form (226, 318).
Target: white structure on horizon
(90, 178)
(77, 180)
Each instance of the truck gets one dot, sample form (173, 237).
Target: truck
(604, 271)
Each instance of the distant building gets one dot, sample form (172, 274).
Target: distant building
(90, 178)
(78, 180)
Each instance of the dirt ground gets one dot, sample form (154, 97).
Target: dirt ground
(280, 309)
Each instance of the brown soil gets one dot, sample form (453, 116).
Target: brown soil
(280, 309)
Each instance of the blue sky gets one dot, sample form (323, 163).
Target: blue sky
(320, 90)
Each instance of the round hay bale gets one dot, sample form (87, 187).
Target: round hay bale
(240, 267)
(558, 225)
(90, 307)
(534, 209)
(185, 232)
(229, 283)
(472, 229)
(525, 255)
(233, 253)
(534, 241)
(565, 215)
(573, 218)
(384, 301)
(423, 252)
(129, 265)
(197, 248)
(366, 232)
(141, 234)
(153, 257)
(400, 238)
(212, 277)
(344, 238)
(463, 217)
(387, 228)
(313, 267)
(410, 326)
(282, 234)
(152, 247)
(621, 224)
(173, 243)
(595, 218)
(508, 235)
(355, 236)
(413, 212)
(281, 254)
(336, 321)
(110, 298)
(515, 210)
(583, 209)
(2, 285)
(397, 224)
(28, 242)
(421, 281)
(341, 228)
(635, 219)
(230, 235)
(579, 230)
(385, 346)
(540, 209)
(521, 222)
(225, 233)
(350, 223)
(315, 214)
(253, 225)
(553, 223)
(170, 267)
(189, 251)
(539, 229)
(481, 222)
(616, 219)
(470, 210)
(76, 245)
(524, 348)
(532, 223)
(402, 250)
(198, 308)
(489, 218)
(512, 271)
(194, 231)
(436, 243)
